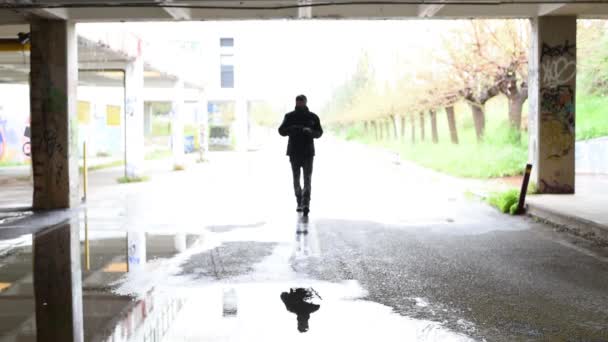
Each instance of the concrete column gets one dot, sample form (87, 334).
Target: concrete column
(203, 122)
(54, 123)
(134, 117)
(552, 92)
(148, 117)
(177, 124)
(58, 283)
(241, 124)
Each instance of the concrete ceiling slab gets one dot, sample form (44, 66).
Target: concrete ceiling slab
(175, 10)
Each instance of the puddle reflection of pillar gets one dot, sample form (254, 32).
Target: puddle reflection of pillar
(179, 241)
(87, 251)
(58, 283)
(136, 250)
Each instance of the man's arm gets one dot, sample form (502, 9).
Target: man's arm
(284, 129)
(317, 130)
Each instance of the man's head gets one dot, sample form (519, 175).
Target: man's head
(301, 101)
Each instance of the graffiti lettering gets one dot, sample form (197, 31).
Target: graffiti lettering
(565, 49)
(558, 71)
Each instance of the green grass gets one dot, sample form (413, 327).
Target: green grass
(11, 164)
(502, 153)
(505, 201)
(591, 117)
(475, 161)
(158, 154)
(104, 165)
(124, 179)
(161, 128)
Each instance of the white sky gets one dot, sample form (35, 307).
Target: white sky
(279, 59)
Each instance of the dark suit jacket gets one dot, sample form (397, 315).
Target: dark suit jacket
(301, 144)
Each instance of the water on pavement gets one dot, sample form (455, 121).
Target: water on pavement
(393, 253)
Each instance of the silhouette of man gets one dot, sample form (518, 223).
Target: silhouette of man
(295, 302)
(302, 126)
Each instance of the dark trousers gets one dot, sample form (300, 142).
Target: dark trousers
(302, 163)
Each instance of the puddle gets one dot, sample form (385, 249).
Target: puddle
(260, 315)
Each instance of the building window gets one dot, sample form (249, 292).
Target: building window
(227, 77)
(227, 42)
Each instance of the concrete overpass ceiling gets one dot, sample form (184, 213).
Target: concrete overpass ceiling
(144, 10)
(177, 10)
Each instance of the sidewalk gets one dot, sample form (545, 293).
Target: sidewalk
(584, 213)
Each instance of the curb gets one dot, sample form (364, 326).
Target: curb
(579, 226)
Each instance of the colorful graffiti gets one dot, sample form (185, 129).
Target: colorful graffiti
(14, 147)
(557, 116)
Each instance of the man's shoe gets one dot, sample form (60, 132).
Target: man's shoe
(305, 211)
(299, 209)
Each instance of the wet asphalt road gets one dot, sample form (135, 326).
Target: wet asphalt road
(396, 253)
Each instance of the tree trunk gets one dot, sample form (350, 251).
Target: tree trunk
(434, 134)
(413, 128)
(395, 122)
(366, 128)
(421, 126)
(516, 104)
(452, 124)
(381, 128)
(389, 133)
(375, 128)
(403, 127)
(479, 118)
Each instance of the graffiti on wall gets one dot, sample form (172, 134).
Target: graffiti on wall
(557, 112)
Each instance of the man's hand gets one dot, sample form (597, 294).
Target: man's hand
(307, 130)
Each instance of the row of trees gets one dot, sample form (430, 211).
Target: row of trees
(474, 62)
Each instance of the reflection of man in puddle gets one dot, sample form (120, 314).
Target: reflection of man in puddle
(298, 302)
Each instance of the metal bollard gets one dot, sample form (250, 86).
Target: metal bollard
(524, 190)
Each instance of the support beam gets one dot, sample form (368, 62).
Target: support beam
(240, 125)
(177, 13)
(548, 9)
(552, 92)
(177, 124)
(49, 13)
(428, 11)
(203, 122)
(54, 126)
(304, 12)
(134, 118)
(58, 283)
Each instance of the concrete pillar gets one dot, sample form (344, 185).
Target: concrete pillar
(134, 117)
(177, 124)
(203, 122)
(552, 92)
(54, 123)
(148, 117)
(241, 124)
(58, 283)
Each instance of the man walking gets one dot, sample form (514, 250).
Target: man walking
(302, 126)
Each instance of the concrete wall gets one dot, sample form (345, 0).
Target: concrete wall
(592, 156)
